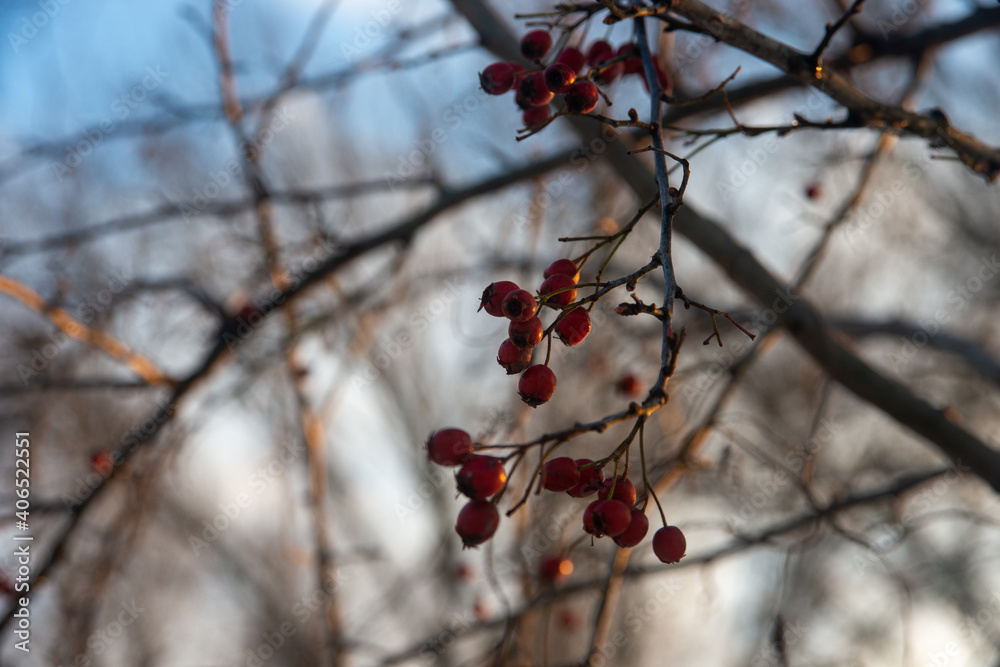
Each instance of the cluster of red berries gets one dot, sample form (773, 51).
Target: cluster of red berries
(506, 299)
(535, 89)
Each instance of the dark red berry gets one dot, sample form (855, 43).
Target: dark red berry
(633, 61)
(814, 191)
(599, 52)
(563, 266)
(449, 447)
(512, 358)
(560, 474)
(103, 463)
(537, 384)
(555, 569)
(493, 297)
(559, 283)
(533, 90)
(606, 517)
(610, 73)
(582, 97)
(669, 544)
(481, 477)
(629, 385)
(637, 529)
(573, 327)
(519, 305)
(526, 335)
(536, 44)
(559, 77)
(624, 490)
(477, 522)
(590, 479)
(573, 58)
(497, 79)
(535, 115)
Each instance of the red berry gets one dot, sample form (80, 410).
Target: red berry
(582, 97)
(559, 77)
(481, 477)
(814, 191)
(526, 335)
(535, 115)
(573, 58)
(637, 529)
(606, 517)
(669, 544)
(661, 75)
(590, 479)
(493, 297)
(497, 79)
(629, 385)
(463, 572)
(569, 619)
(519, 305)
(537, 384)
(103, 463)
(477, 522)
(563, 266)
(449, 447)
(250, 312)
(633, 62)
(624, 490)
(533, 90)
(573, 327)
(512, 358)
(598, 52)
(555, 283)
(555, 569)
(560, 474)
(610, 73)
(536, 44)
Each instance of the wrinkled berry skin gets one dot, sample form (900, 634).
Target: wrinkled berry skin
(512, 358)
(559, 77)
(582, 97)
(590, 480)
(537, 384)
(636, 531)
(497, 79)
(669, 544)
(560, 474)
(481, 477)
(573, 327)
(606, 517)
(477, 522)
(449, 447)
(555, 283)
(526, 335)
(536, 44)
(493, 296)
(519, 306)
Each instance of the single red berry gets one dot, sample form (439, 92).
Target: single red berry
(512, 358)
(481, 477)
(636, 532)
(633, 61)
(251, 313)
(493, 297)
(560, 474)
(573, 58)
(606, 517)
(669, 544)
(533, 90)
(814, 191)
(599, 52)
(590, 479)
(624, 490)
(555, 569)
(464, 572)
(535, 115)
(569, 619)
(497, 79)
(573, 327)
(519, 305)
(483, 610)
(629, 385)
(449, 447)
(477, 522)
(555, 283)
(563, 266)
(103, 463)
(526, 335)
(610, 73)
(582, 97)
(537, 384)
(559, 77)
(536, 44)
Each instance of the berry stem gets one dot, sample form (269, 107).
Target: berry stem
(645, 480)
